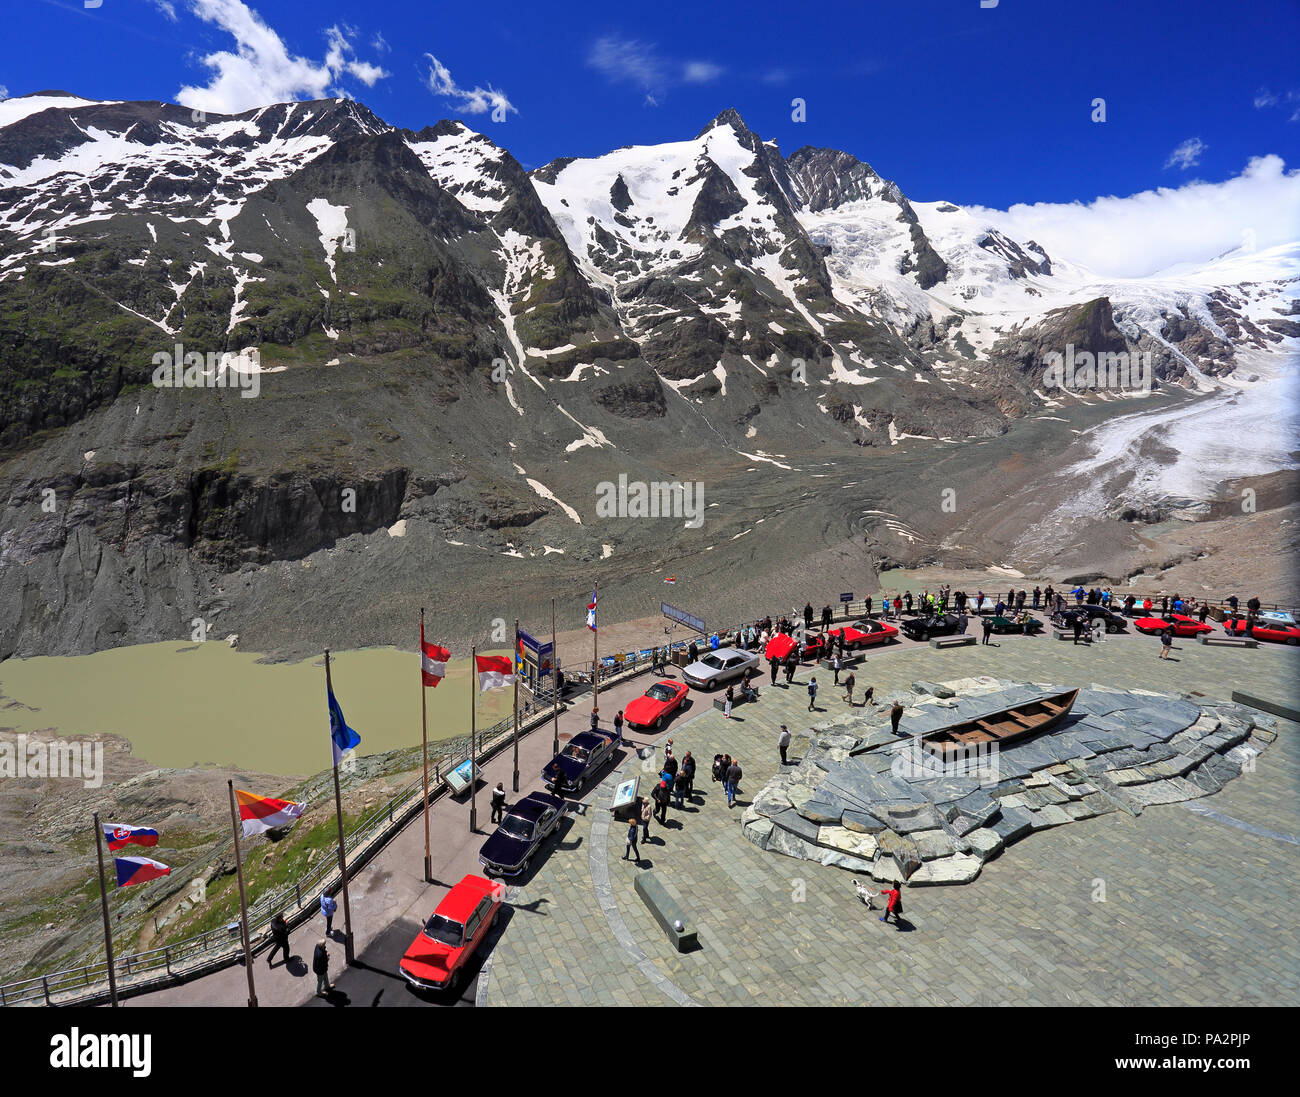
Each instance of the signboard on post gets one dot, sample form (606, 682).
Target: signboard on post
(684, 618)
(846, 597)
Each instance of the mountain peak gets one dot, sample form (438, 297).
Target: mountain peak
(729, 117)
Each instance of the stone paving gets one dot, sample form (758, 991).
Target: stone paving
(1170, 908)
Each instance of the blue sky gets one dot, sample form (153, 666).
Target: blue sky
(982, 106)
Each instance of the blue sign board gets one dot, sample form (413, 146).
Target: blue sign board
(459, 778)
(846, 597)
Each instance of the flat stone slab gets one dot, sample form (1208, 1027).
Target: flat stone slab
(961, 868)
(984, 843)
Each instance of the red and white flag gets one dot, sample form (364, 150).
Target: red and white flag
(494, 671)
(591, 612)
(433, 661)
(261, 813)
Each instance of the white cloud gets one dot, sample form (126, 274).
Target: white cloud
(4, 92)
(625, 60)
(700, 72)
(167, 8)
(1188, 154)
(1146, 232)
(1264, 98)
(261, 70)
(378, 43)
(475, 100)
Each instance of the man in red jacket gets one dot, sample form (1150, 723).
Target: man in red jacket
(894, 903)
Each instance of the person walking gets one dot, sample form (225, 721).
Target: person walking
(661, 795)
(686, 778)
(630, 852)
(772, 664)
(869, 698)
(988, 629)
(645, 812)
(732, 786)
(498, 802)
(618, 724)
(320, 965)
(835, 666)
(1077, 621)
(849, 683)
(893, 903)
(279, 939)
(789, 669)
(726, 707)
(783, 744)
(895, 715)
(328, 906)
(1166, 643)
(812, 694)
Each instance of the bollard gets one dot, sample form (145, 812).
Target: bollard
(167, 958)
(45, 982)
(390, 811)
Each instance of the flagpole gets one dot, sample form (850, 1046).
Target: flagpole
(243, 899)
(555, 687)
(343, 861)
(473, 737)
(424, 752)
(595, 650)
(517, 669)
(103, 905)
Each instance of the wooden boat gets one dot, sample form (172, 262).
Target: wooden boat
(1009, 726)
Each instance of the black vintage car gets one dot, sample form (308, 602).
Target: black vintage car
(1114, 622)
(922, 628)
(527, 824)
(577, 763)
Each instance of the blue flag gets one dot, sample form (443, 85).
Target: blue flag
(342, 737)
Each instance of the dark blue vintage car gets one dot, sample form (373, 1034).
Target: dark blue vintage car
(525, 827)
(587, 751)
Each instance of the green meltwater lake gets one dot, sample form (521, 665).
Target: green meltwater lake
(185, 704)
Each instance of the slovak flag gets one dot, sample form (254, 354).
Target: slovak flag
(259, 813)
(118, 835)
(138, 870)
(433, 661)
(591, 612)
(494, 671)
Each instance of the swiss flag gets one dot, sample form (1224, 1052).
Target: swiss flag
(433, 661)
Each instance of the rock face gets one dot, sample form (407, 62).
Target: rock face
(1116, 751)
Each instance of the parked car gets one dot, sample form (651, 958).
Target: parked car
(579, 761)
(528, 823)
(1026, 623)
(1114, 622)
(922, 628)
(862, 634)
(654, 706)
(1279, 617)
(815, 646)
(442, 950)
(1276, 631)
(719, 667)
(1182, 625)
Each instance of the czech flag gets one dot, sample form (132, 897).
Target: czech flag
(118, 835)
(433, 661)
(494, 671)
(259, 813)
(591, 612)
(138, 870)
(342, 737)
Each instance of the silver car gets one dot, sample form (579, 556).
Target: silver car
(717, 668)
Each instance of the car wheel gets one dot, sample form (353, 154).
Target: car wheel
(1112, 629)
(924, 637)
(659, 722)
(453, 983)
(523, 869)
(1292, 642)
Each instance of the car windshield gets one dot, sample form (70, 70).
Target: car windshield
(517, 827)
(712, 662)
(444, 930)
(578, 754)
(660, 693)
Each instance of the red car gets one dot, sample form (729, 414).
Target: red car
(1264, 629)
(1183, 625)
(657, 703)
(815, 646)
(862, 633)
(442, 950)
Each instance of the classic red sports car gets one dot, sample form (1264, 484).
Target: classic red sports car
(815, 646)
(1265, 629)
(860, 634)
(1182, 625)
(442, 950)
(653, 707)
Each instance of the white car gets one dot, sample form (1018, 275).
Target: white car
(717, 668)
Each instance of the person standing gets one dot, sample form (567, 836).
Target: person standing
(961, 623)
(661, 795)
(868, 605)
(595, 721)
(320, 964)
(1038, 594)
(630, 852)
(1166, 642)
(812, 693)
(835, 666)
(1077, 621)
(328, 905)
(618, 724)
(726, 706)
(895, 715)
(988, 629)
(686, 778)
(893, 903)
(849, 683)
(645, 812)
(869, 698)
(498, 802)
(907, 599)
(789, 669)
(1203, 612)
(783, 744)
(807, 616)
(732, 786)
(279, 939)
(772, 664)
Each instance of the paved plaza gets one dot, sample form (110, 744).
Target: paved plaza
(1180, 906)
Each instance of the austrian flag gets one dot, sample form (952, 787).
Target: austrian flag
(259, 813)
(494, 671)
(433, 661)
